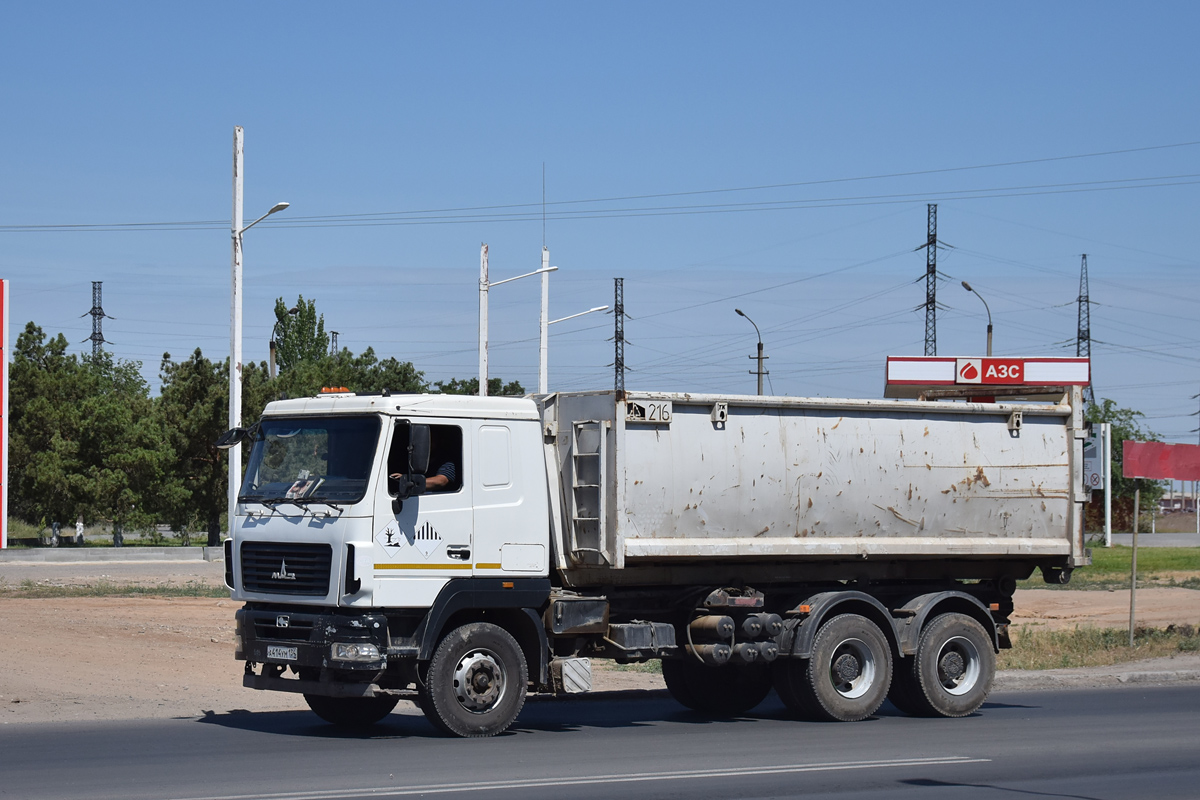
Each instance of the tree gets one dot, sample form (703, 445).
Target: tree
(83, 440)
(1125, 427)
(496, 387)
(301, 336)
(362, 373)
(194, 410)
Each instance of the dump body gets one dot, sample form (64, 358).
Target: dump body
(647, 481)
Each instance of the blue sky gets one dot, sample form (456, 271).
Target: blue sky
(125, 114)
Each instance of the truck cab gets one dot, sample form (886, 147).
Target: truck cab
(361, 516)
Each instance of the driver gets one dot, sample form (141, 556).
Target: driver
(442, 479)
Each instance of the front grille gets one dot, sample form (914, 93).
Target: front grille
(279, 568)
(298, 630)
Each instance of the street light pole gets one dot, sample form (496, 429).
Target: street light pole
(485, 284)
(760, 355)
(544, 326)
(235, 328)
(967, 286)
(235, 318)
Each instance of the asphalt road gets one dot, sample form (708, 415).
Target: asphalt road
(1101, 744)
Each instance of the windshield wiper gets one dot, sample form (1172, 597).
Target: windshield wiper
(309, 500)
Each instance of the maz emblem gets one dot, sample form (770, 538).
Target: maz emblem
(283, 574)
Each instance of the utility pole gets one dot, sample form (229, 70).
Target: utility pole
(931, 282)
(1196, 484)
(1083, 337)
(97, 313)
(333, 348)
(236, 229)
(619, 333)
(544, 326)
(483, 319)
(235, 327)
(760, 357)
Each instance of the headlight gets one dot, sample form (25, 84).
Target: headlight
(355, 651)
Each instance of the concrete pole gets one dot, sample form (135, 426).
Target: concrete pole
(544, 327)
(235, 328)
(760, 367)
(483, 319)
(1107, 426)
(1137, 497)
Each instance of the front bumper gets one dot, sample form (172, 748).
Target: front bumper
(303, 639)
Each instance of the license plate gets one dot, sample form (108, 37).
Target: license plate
(278, 653)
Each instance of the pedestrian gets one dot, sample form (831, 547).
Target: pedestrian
(55, 530)
(79, 530)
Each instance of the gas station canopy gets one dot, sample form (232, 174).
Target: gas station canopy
(986, 378)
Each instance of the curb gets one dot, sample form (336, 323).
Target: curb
(90, 554)
(1030, 680)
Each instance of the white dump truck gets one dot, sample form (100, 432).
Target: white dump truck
(461, 552)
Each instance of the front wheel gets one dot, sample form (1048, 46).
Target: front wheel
(952, 671)
(351, 712)
(846, 678)
(476, 682)
(725, 691)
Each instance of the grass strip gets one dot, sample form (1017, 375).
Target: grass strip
(1157, 566)
(1035, 648)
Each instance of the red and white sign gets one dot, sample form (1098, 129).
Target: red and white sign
(988, 371)
(907, 376)
(4, 356)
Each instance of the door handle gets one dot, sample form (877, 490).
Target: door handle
(459, 551)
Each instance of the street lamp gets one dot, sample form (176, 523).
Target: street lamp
(485, 284)
(275, 337)
(967, 286)
(237, 229)
(760, 355)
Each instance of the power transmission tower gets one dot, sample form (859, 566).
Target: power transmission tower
(97, 313)
(333, 349)
(1083, 341)
(619, 334)
(931, 283)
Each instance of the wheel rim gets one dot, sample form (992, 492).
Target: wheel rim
(958, 667)
(852, 668)
(479, 681)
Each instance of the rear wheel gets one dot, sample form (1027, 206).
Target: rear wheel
(726, 690)
(952, 671)
(476, 682)
(351, 712)
(847, 677)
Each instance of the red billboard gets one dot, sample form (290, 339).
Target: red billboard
(1160, 461)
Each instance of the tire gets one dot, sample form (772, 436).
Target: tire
(352, 713)
(724, 691)
(476, 682)
(952, 671)
(847, 677)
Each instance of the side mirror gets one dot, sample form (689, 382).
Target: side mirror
(418, 450)
(230, 439)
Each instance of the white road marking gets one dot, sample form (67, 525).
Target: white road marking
(637, 777)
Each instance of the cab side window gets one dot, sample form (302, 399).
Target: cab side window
(445, 470)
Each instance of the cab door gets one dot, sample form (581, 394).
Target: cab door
(511, 518)
(429, 540)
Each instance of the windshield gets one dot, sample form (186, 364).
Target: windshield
(311, 460)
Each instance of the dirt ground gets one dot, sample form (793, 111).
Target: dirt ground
(132, 658)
